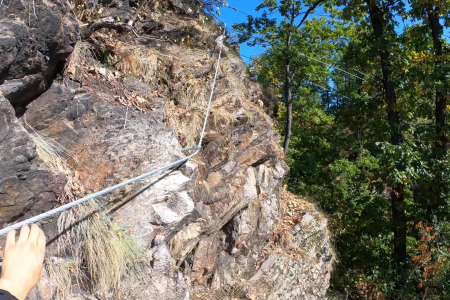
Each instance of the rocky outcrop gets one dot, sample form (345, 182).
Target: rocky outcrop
(36, 39)
(26, 187)
(214, 227)
(301, 268)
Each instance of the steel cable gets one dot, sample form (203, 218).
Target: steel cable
(68, 206)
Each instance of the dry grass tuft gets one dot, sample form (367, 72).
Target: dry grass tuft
(192, 126)
(188, 123)
(52, 154)
(188, 117)
(49, 152)
(128, 63)
(192, 95)
(135, 61)
(106, 251)
(60, 271)
(222, 118)
(250, 115)
(103, 253)
(84, 10)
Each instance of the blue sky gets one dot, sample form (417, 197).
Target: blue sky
(230, 17)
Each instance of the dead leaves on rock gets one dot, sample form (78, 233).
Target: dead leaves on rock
(281, 240)
(134, 100)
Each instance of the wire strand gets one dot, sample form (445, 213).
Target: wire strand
(310, 82)
(320, 61)
(339, 69)
(324, 88)
(235, 9)
(330, 65)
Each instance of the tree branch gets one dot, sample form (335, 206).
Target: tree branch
(107, 22)
(317, 3)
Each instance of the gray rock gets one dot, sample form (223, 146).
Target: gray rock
(26, 186)
(19, 91)
(33, 46)
(205, 259)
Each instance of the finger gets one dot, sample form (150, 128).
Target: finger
(34, 234)
(41, 248)
(41, 243)
(10, 239)
(24, 234)
(40, 273)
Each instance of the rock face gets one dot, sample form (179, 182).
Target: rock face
(93, 135)
(26, 188)
(305, 273)
(36, 38)
(214, 227)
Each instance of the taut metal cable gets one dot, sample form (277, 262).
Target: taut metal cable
(309, 82)
(68, 206)
(330, 65)
(317, 60)
(295, 33)
(326, 89)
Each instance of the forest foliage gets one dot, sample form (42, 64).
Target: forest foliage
(364, 91)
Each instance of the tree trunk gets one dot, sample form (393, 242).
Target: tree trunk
(287, 86)
(441, 127)
(397, 192)
(441, 100)
(288, 97)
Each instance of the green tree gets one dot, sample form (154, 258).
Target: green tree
(281, 33)
(369, 135)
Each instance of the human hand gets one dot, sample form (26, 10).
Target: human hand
(22, 262)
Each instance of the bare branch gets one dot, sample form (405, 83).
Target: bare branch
(317, 3)
(107, 22)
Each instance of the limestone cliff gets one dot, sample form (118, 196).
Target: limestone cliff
(84, 108)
